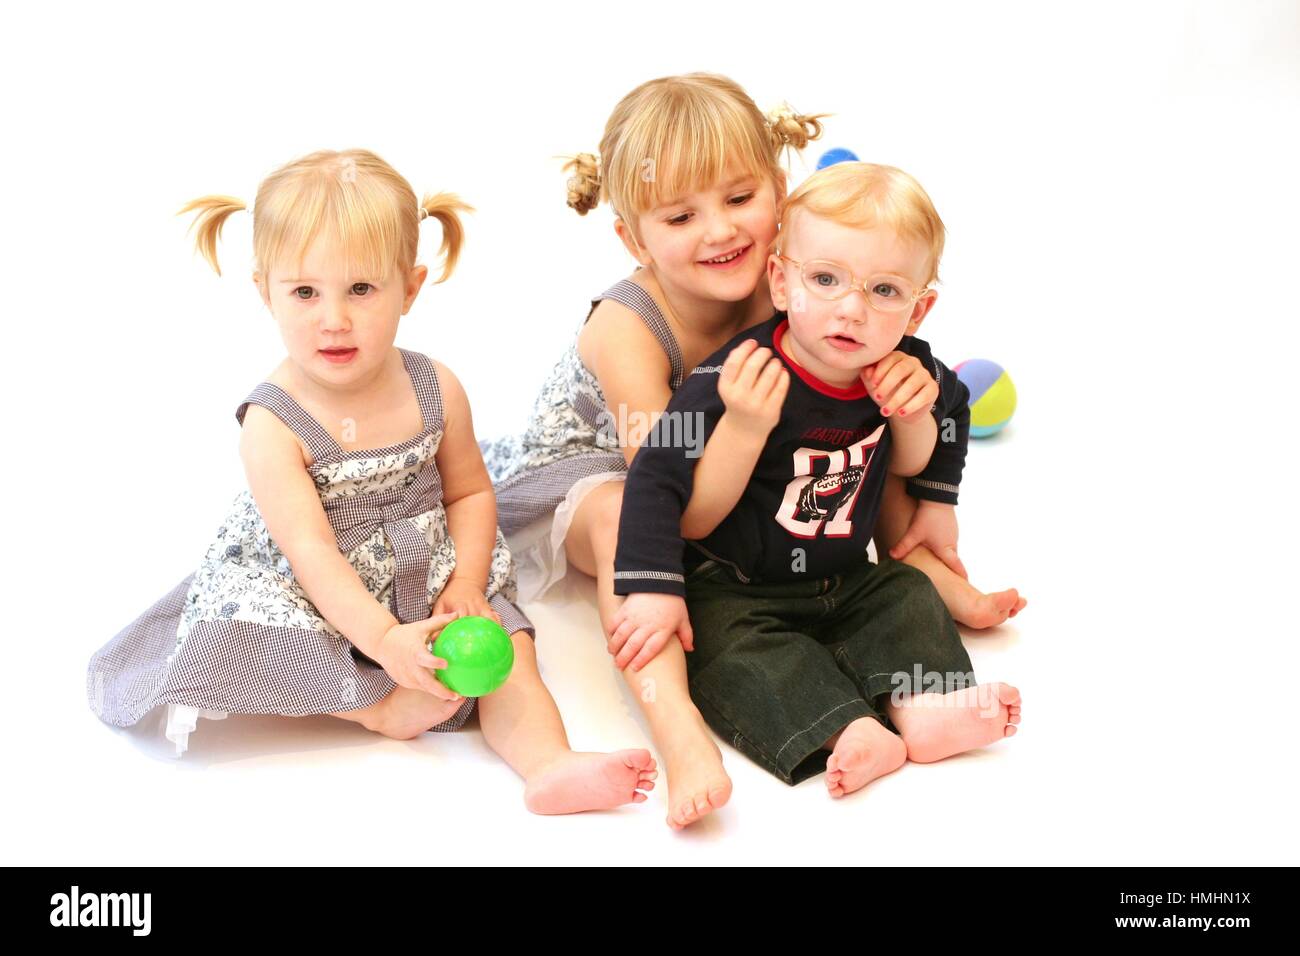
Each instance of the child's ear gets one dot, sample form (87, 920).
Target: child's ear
(920, 311)
(634, 248)
(414, 281)
(776, 283)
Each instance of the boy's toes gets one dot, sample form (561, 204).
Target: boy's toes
(834, 779)
(640, 760)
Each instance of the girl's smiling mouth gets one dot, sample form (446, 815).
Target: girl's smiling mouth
(728, 260)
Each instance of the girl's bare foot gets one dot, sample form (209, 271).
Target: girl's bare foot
(863, 751)
(966, 603)
(970, 606)
(935, 726)
(575, 782)
(697, 782)
(404, 714)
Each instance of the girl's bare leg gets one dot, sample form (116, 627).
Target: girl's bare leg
(521, 723)
(966, 603)
(697, 782)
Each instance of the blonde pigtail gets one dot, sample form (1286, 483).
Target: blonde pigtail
(584, 184)
(213, 212)
(445, 207)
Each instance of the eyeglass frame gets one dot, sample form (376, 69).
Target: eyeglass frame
(855, 285)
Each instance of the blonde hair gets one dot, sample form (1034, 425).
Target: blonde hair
(352, 197)
(670, 135)
(864, 195)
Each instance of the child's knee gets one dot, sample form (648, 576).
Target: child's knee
(525, 650)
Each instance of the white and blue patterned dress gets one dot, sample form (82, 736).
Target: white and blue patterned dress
(569, 447)
(240, 635)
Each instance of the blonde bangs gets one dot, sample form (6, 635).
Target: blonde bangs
(361, 222)
(685, 139)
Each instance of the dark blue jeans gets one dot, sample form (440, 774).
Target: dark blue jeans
(779, 668)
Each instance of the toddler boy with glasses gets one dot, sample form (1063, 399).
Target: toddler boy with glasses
(803, 654)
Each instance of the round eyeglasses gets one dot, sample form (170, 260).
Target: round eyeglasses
(830, 281)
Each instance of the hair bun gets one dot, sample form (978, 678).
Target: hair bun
(792, 129)
(584, 184)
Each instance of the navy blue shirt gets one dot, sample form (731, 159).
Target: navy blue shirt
(810, 506)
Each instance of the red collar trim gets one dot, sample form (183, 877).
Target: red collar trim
(855, 391)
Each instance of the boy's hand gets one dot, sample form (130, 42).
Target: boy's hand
(934, 525)
(643, 625)
(901, 386)
(403, 654)
(752, 386)
(465, 599)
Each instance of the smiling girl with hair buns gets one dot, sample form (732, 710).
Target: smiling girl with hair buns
(693, 171)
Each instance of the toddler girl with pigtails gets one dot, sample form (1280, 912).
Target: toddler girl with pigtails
(369, 521)
(692, 169)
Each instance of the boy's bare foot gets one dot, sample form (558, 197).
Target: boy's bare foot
(863, 751)
(404, 714)
(575, 782)
(697, 782)
(935, 726)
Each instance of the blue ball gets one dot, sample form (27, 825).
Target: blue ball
(836, 155)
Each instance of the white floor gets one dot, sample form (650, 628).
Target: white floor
(1105, 770)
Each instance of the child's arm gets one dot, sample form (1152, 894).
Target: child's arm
(939, 481)
(470, 503)
(288, 502)
(933, 522)
(753, 386)
(632, 369)
(648, 565)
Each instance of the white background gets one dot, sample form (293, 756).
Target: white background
(1119, 185)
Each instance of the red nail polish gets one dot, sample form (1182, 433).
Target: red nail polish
(885, 411)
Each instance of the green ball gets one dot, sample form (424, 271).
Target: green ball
(478, 653)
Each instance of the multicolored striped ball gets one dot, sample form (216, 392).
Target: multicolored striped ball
(992, 395)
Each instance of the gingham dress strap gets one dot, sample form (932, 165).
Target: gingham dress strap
(420, 367)
(286, 408)
(643, 304)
